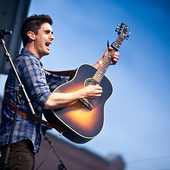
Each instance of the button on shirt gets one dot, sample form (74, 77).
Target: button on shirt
(39, 86)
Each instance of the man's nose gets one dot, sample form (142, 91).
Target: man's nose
(51, 36)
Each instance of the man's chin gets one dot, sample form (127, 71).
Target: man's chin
(47, 53)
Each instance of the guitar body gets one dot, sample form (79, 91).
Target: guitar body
(81, 123)
(83, 119)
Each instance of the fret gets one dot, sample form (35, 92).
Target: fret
(102, 69)
(117, 43)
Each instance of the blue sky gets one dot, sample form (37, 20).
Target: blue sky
(136, 124)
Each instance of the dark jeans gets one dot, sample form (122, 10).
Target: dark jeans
(21, 156)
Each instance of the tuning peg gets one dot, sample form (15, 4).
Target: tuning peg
(117, 28)
(127, 36)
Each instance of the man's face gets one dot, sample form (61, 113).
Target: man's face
(43, 40)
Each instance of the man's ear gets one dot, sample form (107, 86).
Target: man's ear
(31, 35)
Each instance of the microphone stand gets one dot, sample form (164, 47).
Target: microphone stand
(18, 97)
(61, 166)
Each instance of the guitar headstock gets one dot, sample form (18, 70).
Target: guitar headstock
(123, 31)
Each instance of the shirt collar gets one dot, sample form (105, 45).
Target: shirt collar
(28, 52)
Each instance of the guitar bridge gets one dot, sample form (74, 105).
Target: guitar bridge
(86, 103)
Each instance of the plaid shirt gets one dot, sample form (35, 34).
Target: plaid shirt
(39, 86)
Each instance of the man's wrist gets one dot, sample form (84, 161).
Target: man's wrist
(99, 61)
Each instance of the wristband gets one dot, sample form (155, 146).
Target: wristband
(100, 61)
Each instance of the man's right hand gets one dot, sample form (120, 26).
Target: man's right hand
(92, 91)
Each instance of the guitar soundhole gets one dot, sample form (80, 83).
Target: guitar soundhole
(90, 81)
(95, 102)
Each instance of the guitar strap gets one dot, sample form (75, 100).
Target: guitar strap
(36, 119)
(61, 73)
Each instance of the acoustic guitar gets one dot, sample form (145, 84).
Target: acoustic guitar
(83, 119)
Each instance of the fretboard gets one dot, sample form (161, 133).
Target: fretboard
(106, 62)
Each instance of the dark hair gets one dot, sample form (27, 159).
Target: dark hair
(33, 23)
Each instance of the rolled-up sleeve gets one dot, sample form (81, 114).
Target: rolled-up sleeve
(34, 80)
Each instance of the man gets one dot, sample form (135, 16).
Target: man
(37, 36)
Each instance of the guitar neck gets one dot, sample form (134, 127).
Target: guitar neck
(106, 62)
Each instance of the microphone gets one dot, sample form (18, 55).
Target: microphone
(6, 32)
